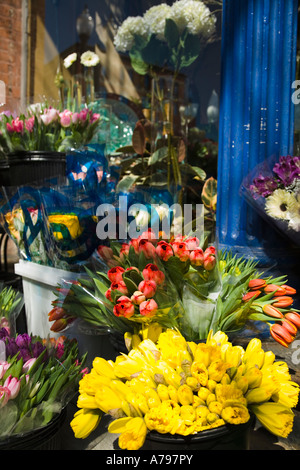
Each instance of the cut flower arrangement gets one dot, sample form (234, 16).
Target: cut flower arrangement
(276, 195)
(153, 284)
(183, 388)
(37, 380)
(45, 128)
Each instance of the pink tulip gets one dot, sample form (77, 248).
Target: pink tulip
(148, 308)
(29, 124)
(4, 396)
(13, 384)
(50, 115)
(66, 118)
(28, 364)
(192, 243)
(148, 288)
(164, 250)
(3, 368)
(147, 248)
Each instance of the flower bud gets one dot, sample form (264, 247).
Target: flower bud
(138, 297)
(185, 395)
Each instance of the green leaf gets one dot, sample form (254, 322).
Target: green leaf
(209, 193)
(157, 156)
(127, 182)
(171, 33)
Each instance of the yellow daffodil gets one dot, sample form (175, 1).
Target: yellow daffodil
(103, 367)
(162, 391)
(153, 332)
(215, 407)
(200, 372)
(258, 395)
(163, 419)
(232, 354)
(185, 395)
(254, 354)
(288, 394)
(107, 399)
(87, 401)
(224, 393)
(216, 370)
(254, 377)
(188, 414)
(132, 432)
(276, 418)
(235, 414)
(219, 338)
(84, 422)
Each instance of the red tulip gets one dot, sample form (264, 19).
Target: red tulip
(152, 273)
(164, 250)
(115, 274)
(120, 286)
(192, 243)
(197, 257)
(209, 262)
(181, 250)
(124, 307)
(147, 248)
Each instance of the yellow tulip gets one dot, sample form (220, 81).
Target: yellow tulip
(107, 399)
(132, 432)
(84, 422)
(87, 401)
(276, 418)
(103, 367)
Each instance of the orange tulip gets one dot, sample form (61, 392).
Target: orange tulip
(272, 311)
(278, 290)
(56, 313)
(289, 290)
(251, 295)
(294, 318)
(59, 325)
(290, 327)
(281, 335)
(255, 284)
(283, 301)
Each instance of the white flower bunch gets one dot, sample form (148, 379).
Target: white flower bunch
(283, 205)
(155, 19)
(124, 39)
(193, 15)
(68, 61)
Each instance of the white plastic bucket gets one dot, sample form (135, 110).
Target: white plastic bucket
(39, 283)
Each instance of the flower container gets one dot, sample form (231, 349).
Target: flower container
(4, 173)
(28, 167)
(45, 438)
(228, 437)
(39, 282)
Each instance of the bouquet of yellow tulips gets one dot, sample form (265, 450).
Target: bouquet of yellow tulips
(177, 284)
(183, 388)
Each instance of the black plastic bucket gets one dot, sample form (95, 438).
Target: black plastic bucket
(46, 438)
(227, 437)
(4, 173)
(29, 167)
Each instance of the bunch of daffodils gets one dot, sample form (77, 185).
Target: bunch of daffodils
(183, 388)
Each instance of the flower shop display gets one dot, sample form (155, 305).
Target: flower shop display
(38, 378)
(11, 303)
(179, 388)
(204, 289)
(162, 42)
(275, 195)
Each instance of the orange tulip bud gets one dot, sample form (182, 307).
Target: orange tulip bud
(56, 313)
(294, 318)
(59, 325)
(278, 290)
(272, 311)
(289, 290)
(283, 301)
(255, 284)
(251, 295)
(281, 335)
(290, 327)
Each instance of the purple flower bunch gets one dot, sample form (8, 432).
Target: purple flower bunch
(285, 172)
(23, 345)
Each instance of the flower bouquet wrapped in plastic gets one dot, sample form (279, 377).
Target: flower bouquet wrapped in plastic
(203, 290)
(11, 303)
(275, 194)
(37, 380)
(179, 388)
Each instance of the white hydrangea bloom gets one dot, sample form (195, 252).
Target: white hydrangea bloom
(124, 39)
(155, 19)
(195, 16)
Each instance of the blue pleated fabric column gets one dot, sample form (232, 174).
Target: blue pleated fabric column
(256, 110)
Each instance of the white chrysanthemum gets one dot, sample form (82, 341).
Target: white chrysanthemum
(68, 61)
(132, 26)
(195, 16)
(155, 19)
(280, 204)
(89, 59)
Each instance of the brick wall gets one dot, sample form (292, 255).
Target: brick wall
(10, 51)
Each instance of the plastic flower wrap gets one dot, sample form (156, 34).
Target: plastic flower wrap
(11, 303)
(47, 129)
(37, 380)
(182, 388)
(275, 195)
(205, 288)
